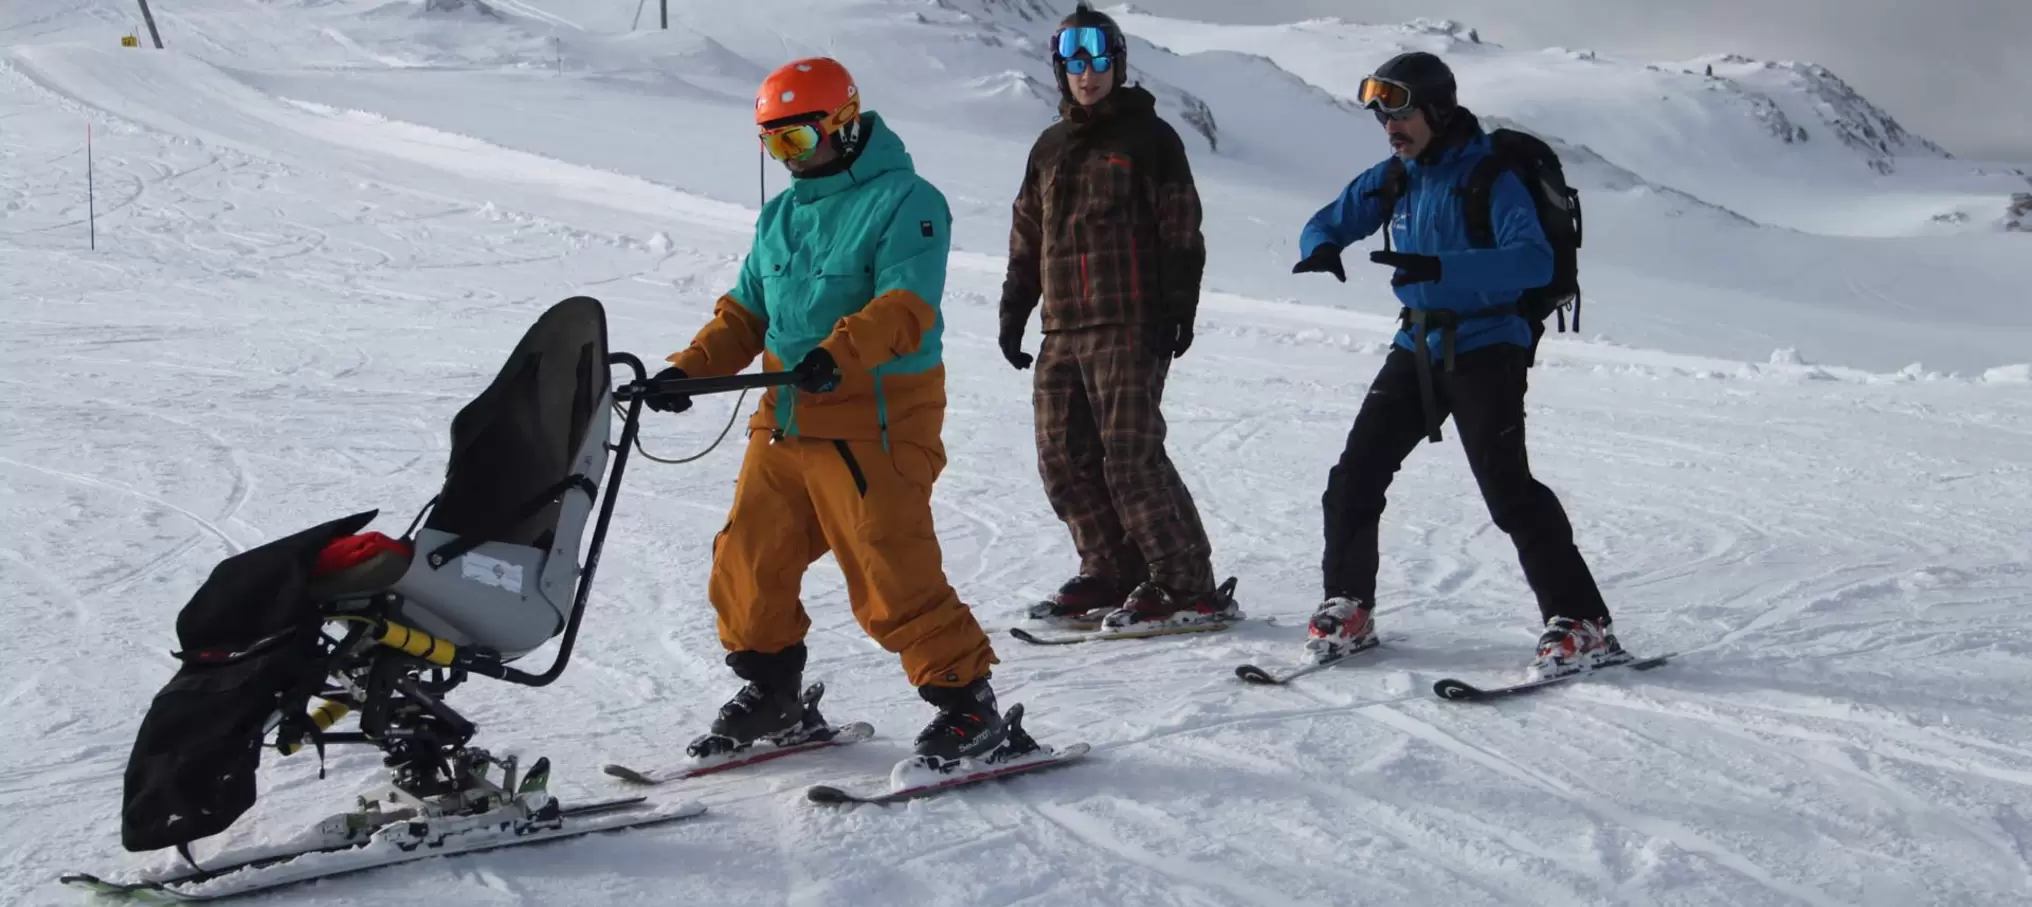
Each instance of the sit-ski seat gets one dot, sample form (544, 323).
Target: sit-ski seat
(496, 563)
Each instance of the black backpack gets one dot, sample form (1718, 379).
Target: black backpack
(1538, 166)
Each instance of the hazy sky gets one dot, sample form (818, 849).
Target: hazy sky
(1956, 71)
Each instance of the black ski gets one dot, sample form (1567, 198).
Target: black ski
(1462, 691)
(1257, 675)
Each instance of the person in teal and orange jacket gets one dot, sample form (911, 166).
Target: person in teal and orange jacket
(842, 285)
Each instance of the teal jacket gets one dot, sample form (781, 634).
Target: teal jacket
(854, 261)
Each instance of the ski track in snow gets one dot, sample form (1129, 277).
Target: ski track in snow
(289, 302)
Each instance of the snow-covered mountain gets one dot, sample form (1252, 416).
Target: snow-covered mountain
(1791, 441)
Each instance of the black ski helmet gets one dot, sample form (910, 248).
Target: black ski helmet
(1431, 83)
(1085, 16)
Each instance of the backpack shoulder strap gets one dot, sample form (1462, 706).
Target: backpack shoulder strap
(1475, 195)
(1396, 180)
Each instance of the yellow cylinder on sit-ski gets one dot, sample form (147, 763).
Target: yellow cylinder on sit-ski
(417, 643)
(324, 717)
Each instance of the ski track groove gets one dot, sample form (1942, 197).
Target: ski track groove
(1651, 826)
(1911, 805)
(1079, 826)
(1341, 795)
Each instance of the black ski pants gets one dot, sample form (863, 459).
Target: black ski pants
(1485, 396)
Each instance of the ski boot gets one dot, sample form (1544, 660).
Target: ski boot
(967, 725)
(1153, 607)
(768, 708)
(1341, 627)
(1571, 646)
(1081, 603)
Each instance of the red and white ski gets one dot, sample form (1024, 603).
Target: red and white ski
(832, 735)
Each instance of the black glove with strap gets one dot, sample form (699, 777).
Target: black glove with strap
(818, 373)
(1175, 335)
(667, 403)
(1410, 268)
(1325, 259)
(1011, 341)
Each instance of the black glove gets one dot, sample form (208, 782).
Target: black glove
(1410, 268)
(818, 373)
(1012, 346)
(1326, 258)
(1176, 336)
(667, 403)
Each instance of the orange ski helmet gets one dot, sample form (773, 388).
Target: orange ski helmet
(805, 102)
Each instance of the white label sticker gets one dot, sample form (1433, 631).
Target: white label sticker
(494, 572)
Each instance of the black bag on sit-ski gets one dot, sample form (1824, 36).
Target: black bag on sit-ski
(249, 638)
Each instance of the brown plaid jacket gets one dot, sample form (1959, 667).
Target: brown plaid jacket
(1106, 229)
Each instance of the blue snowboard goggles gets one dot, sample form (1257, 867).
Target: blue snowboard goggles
(1094, 42)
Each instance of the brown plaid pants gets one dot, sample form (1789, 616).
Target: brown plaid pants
(1100, 449)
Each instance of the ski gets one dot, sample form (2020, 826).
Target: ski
(1462, 691)
(391, 845)
(829, 736)
(812, 733)
(1069, 639)
(1076, 633)
(1257, 675)
(1018, 755)
(1039, 761)
(1048, 758)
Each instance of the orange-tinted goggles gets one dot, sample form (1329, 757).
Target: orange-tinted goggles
(794, 142)
(1385, 95)
(799, 140)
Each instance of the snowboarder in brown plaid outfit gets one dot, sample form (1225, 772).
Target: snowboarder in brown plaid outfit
(1106, 231)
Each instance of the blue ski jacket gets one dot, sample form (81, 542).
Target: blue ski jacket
(1429, 220)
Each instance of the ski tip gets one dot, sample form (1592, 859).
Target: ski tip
(827, 794)
(1254, 674)
(1024, 635)
(1451, 688)
(627, 774)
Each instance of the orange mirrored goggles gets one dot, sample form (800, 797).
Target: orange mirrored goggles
(1385, 95)
(796, 141)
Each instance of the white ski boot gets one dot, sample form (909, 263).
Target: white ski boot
(1341, 627)
(1571, 646)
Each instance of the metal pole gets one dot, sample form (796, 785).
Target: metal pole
(149, 18)
(91, 195)
(665, 4)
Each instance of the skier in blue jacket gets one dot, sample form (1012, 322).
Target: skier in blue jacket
(1463, 351)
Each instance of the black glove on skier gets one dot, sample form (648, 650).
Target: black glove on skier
(818, 373)
(1011, 341)
(1410, 268)
(1325, 259)
(667, 403)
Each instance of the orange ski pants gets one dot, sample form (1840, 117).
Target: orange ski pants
(798, 498)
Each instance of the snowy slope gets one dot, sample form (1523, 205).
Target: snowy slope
(313, 249)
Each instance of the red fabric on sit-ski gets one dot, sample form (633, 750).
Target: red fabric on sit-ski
(354, 550)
